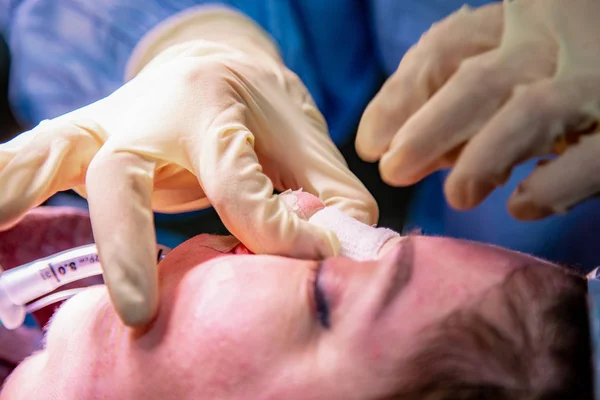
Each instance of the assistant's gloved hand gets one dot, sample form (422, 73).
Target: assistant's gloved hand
(212, 116)
(486, 89)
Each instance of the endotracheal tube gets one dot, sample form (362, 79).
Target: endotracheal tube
(22, 285)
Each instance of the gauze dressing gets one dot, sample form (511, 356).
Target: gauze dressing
(357, 240)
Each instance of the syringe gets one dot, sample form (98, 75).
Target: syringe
(28, 282)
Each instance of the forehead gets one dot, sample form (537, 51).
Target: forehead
(447, 275)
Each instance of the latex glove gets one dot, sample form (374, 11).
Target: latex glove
(488, 88)
(217, 121)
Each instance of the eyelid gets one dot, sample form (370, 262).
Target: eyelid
(310, 289)
(322, 309)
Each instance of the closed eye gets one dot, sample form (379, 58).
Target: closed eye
(322, 306)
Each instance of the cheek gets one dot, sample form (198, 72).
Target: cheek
(229, 301)
(79, 322)
(234, 320)
(27, 381)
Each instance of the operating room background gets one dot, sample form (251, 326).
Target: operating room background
(8, 125)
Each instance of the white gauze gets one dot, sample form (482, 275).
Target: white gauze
(357, 240)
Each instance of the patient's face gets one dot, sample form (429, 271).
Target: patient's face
(253, 327)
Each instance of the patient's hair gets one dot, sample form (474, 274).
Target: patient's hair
(535, 344)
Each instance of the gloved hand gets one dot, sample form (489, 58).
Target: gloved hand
(214, 117)
(488, 88)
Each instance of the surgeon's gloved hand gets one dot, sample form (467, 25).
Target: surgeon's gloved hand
(486, 89)
(211, 116)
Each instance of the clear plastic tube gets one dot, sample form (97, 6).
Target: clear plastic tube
(53, 298)
(28, 282)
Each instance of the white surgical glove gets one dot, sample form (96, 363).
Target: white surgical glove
(210, 117)
(486, 89)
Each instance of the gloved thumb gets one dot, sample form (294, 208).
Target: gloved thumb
(303, 204)
(357, 240)
(242, 195)
(291, 232)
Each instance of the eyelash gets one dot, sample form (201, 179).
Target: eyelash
(321, 302)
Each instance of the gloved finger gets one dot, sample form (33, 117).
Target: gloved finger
(11, 148)
(450, 118)
(460, 110)
(447, 160)
(423, 70)
(242, 195)
(520, 130)
(119, 186)
(558, 185)
(50, 158)
(326, 175)
(529, 125)
(303, 204)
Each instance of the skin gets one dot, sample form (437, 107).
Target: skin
(245, 326)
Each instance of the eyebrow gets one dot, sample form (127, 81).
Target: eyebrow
(403, 272)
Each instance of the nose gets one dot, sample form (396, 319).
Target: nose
(358, 241)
